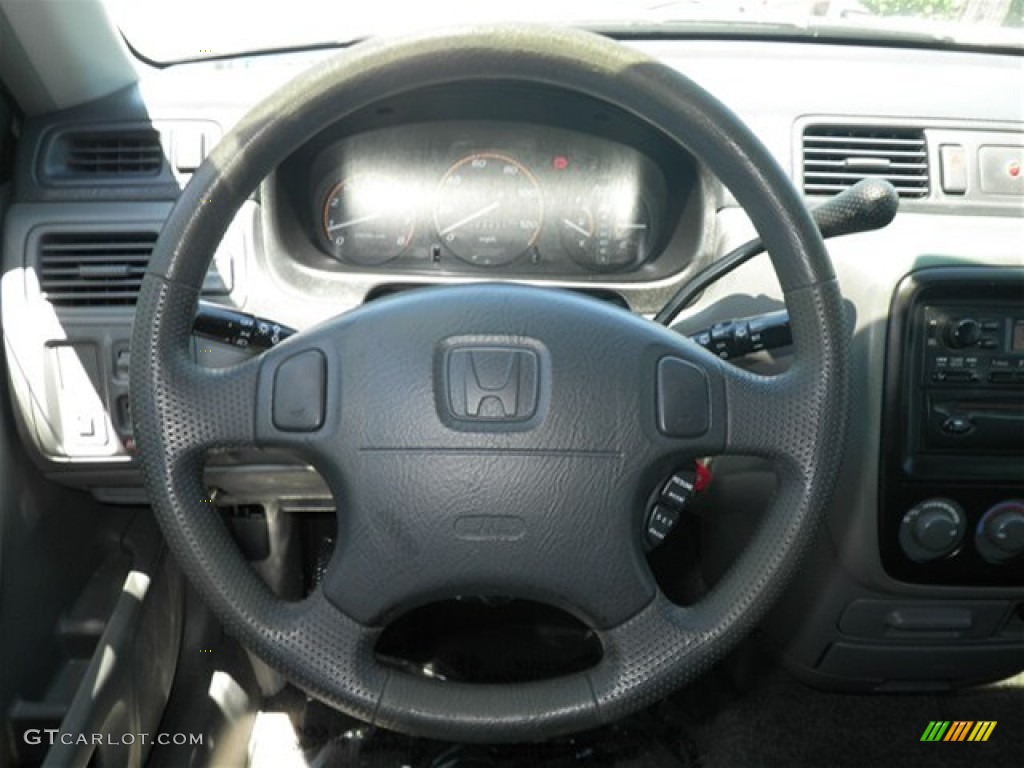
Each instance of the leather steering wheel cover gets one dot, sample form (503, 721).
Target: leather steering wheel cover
(316, 646)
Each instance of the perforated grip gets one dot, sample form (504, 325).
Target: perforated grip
(868, 205)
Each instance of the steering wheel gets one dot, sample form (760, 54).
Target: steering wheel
(488, 439)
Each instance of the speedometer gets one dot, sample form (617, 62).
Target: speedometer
(489, 209)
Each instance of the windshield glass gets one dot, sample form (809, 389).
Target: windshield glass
(177, 30)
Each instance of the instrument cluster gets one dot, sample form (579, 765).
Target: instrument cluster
(479, 195)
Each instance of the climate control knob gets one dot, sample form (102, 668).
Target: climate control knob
(933, 529)
(965, 332)
(999, 536)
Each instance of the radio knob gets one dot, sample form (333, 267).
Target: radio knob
(933, 529)
(965, 332)
(999, 536)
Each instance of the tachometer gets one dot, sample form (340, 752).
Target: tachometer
(367, 219)
(489, 209)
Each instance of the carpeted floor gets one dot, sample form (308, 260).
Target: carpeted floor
(770, 720)
(780, 722)
(746, 713)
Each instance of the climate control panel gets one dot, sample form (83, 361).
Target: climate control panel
(938, 528)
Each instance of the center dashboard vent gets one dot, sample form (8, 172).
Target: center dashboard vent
(93, 269)
(836, 157)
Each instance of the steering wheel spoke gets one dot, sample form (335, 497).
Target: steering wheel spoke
(762, 414)
(789, 417)
(200, 409)
(218, 404)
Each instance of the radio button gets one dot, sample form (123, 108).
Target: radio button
(960, 376)
(1002, 377)
(990, 325)
(957, 425)
(988, 344)
(963, 333)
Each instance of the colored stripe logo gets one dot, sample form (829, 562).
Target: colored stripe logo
(935, 731)
(958, 730)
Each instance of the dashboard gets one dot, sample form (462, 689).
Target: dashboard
(503, 182)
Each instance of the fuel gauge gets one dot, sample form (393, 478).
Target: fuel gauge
(576, 231)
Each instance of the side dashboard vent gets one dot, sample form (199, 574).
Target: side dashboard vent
(837, 157)
(101, 269)
(108, 154)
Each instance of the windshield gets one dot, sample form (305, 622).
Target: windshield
(166, 31)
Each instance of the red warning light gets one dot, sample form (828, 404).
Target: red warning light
(1014, 170)
(560, 162)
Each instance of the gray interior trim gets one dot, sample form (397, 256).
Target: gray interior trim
(44, 70)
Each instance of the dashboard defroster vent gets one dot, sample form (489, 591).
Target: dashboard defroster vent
(836, 157)
(96, 269)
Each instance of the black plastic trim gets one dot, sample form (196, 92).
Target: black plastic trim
(908, 475)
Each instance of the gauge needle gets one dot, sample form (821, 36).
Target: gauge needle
(575, 227)
(632, 226)
(472, 217)
(353, 222)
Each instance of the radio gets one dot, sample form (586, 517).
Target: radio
(977, 346)
(973, 378)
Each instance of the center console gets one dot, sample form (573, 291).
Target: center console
(952, 477)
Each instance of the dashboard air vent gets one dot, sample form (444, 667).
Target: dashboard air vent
(93, 269)
(836, 157)
(133, 153)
